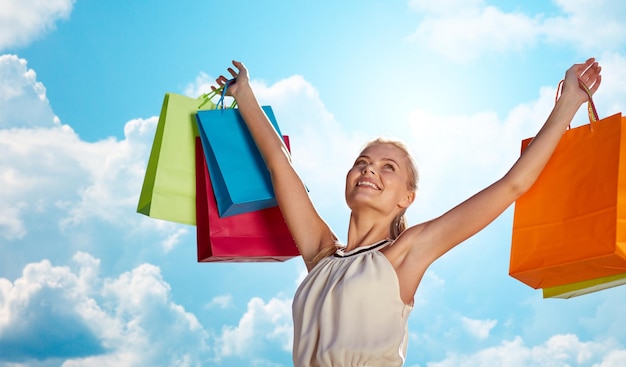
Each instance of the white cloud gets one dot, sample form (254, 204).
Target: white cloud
(445, 6)
(263, 324)
(11, 225)
(173, 239)
(614, 358)
(559, 350)
(114, 170)
(77, 317)
(463, 31)
(46, 168)
(590, 25)
(611, 97)
(24, 97)
(85, 180)
(200, 86)
(478, 328)
(22, 21)
(430, 290)
(474, 31)
(473, 150)
(34, 159)
(223, 302)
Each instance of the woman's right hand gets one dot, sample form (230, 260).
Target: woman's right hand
(587, 73)
(239, 81)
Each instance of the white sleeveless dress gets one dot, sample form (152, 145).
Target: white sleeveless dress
(348, 312)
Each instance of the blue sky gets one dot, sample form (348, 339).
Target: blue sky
(86, 281)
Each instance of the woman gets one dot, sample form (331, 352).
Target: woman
(352, 308)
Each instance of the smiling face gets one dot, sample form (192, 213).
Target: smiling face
(381, 178)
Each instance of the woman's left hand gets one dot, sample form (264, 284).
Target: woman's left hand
(239, 81)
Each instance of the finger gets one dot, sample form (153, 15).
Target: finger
(232, 72)
(241, 67)
(592, 77)
(221, 80)
(592, 73)
(590, 64)
(580, 68)
(596, 84)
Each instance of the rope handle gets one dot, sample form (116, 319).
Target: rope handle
(591, 106)
(221, 91)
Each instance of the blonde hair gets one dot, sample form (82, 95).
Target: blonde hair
(399, 223)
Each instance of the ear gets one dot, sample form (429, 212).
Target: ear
(407, 200)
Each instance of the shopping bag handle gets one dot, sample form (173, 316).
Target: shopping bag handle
(591, 106)
(221, 91)
(206, 97)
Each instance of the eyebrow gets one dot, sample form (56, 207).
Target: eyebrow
(383, 159)
(391, 160)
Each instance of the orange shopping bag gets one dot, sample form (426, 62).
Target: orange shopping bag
(571, 225)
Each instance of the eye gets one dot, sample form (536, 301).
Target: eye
(360, 162)
(389, 166)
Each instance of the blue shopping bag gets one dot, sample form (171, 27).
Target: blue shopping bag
(241, 181)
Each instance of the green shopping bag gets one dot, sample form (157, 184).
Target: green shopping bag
(169, 186)
(584, 287)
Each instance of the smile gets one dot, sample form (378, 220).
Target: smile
(367, 183)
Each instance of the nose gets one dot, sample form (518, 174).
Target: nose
(367, 169)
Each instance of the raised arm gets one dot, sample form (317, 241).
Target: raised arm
(432, 239)
(308, 229)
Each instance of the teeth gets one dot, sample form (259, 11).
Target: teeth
(367, 183)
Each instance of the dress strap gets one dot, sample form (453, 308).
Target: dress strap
(359, 250)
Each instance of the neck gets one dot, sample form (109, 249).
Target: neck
(367, 229)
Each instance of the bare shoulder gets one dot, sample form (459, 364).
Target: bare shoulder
(319, 249)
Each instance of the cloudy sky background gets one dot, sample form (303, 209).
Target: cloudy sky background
(86, 281)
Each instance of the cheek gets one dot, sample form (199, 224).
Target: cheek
(395, 182)
(352, 172)
(349, 177)
(352, 176)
